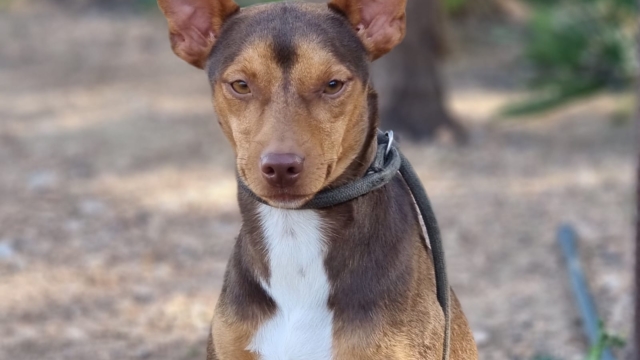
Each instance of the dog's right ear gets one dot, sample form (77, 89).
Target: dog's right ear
(380, 24)
(194, 26)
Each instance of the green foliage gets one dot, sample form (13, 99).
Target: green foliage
(147, 5)
(453, 7)
(151, 5)
(551, 98)
(605, 340)
(576, 47)
(544, 357)
(252, 2)
(541, 2)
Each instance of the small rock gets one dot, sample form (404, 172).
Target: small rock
(610, 258)
(91, 207)
(143, 353)
(587, 177)
(612, 282)
(482, 337)
(43, 180)
(75, 334)
(143, 294)
(10, 257)
(73, 225)
(26, 333)
(7, 252)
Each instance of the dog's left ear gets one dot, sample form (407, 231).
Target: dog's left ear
(380, 24)
(194, 26)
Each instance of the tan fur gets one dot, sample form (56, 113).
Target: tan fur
(326, 133)
(229, 336)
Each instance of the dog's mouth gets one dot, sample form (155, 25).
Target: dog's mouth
(286, 201)
(285, 198)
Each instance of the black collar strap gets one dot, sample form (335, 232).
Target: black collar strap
(387, 163)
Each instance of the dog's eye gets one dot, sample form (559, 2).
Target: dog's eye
(333, 87)
(241, 87)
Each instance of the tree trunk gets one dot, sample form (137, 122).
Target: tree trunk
(412, 93)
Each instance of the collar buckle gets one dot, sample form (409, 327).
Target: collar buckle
(389, 135)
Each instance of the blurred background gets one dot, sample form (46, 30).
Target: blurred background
(117, 189)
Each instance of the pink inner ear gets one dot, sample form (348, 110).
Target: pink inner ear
(190, 15)
(382, 24)
(192, 26)
(372, 9)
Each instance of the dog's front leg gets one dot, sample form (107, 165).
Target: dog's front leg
(227, 352)
(229, 342)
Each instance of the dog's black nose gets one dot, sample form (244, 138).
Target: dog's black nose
(281, 170)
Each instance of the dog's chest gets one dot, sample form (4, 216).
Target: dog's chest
(302, 325)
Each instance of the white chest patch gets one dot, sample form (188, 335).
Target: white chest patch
(301, 328)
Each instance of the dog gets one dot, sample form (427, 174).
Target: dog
(291, 88)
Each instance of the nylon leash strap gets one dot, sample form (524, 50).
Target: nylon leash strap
(387, 163)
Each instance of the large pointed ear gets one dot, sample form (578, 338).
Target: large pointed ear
(380, 24)
(194, 26)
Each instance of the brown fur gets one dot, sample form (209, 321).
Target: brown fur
(382, 296)
(194, 26)
(399, 317)
(381, 25)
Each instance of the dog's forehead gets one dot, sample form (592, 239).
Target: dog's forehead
(287, 27)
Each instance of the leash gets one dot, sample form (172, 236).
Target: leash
(387, 163)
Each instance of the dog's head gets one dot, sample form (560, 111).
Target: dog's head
(290, 84)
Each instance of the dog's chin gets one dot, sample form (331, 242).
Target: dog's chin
(286, 201)
(284, 198)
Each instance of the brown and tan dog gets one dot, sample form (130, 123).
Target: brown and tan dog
(292, 92)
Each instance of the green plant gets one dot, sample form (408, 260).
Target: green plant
(253, 2)
(605, 340)
(147, 5)
(578, 47)
(453, 7)
(544, 357)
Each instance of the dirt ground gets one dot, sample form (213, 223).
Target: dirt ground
(118, 211)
